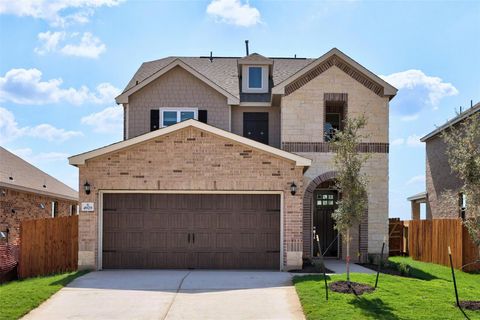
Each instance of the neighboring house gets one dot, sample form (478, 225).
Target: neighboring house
(28, 193)
(438, 174)
(226, 164)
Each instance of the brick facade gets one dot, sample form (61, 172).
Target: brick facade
(439, 177)
(194, 160)
(16, 206)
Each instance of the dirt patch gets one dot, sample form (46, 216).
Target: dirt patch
(355, 287)
(470, 305)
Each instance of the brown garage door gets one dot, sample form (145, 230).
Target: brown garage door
(213, 231)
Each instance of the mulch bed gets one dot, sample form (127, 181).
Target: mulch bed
(385, 269)
(355, 287)
(470, 305)
(311, 269)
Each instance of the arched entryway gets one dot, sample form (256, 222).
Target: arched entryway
(321, 187)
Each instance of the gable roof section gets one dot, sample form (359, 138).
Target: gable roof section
(29, 178)
(457, 119)
(255, 58)
(223, 72)
(81, 158)
(167, 65)
(337, 58)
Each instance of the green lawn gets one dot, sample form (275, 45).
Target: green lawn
(19, 297)
(429, 296)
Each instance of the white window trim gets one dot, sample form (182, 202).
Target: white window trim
(245, 81)
(178, 110)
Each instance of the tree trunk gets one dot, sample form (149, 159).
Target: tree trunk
(348, 256)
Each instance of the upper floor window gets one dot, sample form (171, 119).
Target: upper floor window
(169, 116)
(255, 77)
(333, 121)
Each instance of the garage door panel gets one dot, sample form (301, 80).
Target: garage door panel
(231, 231)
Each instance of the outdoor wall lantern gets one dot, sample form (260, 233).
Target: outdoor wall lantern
(293, 188)
(86, 187)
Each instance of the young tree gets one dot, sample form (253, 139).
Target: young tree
(463, 152)
(350, 181)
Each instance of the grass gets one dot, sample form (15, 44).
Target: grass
(428, 296)
(17, 298)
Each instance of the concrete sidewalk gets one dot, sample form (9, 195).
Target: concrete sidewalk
(338, 266)
(174, 294)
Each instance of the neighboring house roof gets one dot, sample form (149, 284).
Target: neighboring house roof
(81, 158)
(467, 113)
(418, 196)
(18, 174)
(222, 73)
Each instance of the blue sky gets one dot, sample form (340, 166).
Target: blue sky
(62, 63)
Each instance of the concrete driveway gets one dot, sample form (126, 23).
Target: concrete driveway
(172, 294)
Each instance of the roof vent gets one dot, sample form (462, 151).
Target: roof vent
(211, 56)
(136, 82)
(10, 178)
(44, 186)
(246, 46)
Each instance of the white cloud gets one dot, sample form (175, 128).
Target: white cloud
(410, 141)
(49, 41)
(25, 86)
(234, 12)
(88, 46)
(58, 13)
(109, 120)
(409, 118)
(10, 130)
(416, 180)
(397, 142)
(430, 89)
(414, 141)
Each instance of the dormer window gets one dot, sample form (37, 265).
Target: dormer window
(255, 79)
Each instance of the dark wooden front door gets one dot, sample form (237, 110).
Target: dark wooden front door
(255, 126)
(323, 223)
(212, 231)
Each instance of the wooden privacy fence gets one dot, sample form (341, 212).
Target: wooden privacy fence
(48, 246)
(428, 241)
(396, 237)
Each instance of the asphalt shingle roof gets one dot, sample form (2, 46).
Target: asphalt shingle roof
(18, 173)
(222, 71)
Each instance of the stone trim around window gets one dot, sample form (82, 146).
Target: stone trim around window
(325, 147)
(341, 64)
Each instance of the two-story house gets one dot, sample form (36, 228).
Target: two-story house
(225, 164)
(439, 177)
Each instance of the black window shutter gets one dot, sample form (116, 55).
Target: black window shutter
(203, 116)
(154, 119)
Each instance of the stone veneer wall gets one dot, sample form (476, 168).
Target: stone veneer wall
(189, 159)
(306, 106)
(176, 88)
(27, 207)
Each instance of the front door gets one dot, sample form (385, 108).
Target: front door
(323, 223)
(255, 126)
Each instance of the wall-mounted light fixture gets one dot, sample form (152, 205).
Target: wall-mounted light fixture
(293, 188)
(86, 187)
(42, 206)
